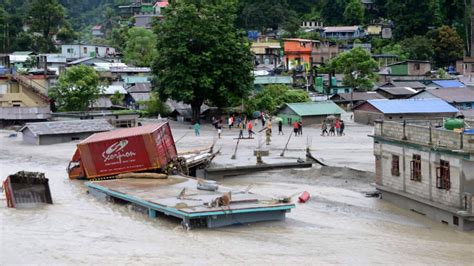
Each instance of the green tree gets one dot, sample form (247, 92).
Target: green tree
(354, 13)
(358, 68)
(201, 55)
(66, 34)
(333, 11)
(418, 48)
(45, 17)
(77, 89)
(411, 17)
(155, 106)
(273, 96)
(447, 45)
(117, 98)
(140, 47)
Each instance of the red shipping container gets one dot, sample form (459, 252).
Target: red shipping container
(149, 147)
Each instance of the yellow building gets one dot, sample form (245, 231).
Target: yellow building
(23, 98)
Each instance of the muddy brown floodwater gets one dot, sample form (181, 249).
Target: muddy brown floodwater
(339, 225)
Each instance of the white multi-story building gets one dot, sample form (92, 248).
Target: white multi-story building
(76, 51)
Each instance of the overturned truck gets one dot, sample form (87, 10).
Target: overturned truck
(149, 148)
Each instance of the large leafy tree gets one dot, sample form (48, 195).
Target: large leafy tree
(358, 68)
(46, 17)
(77, 89)
(411, 17)
(418, 48)
(140, 47)
(447, 45)
(354, 13)
(201, 55)
(264, 14)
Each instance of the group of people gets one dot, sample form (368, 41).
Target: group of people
(298, 128)
(330, 127)
(336, 127)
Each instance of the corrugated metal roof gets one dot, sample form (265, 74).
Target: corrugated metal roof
(451, 95)
(140, 96)
(315, 108)
(273, 80)
(111, 89)
(448, 83)
(359, 96)
(140, 87)
(405, 84)
(398, 90)
(341, 29)
(68, 127)
(411, 106)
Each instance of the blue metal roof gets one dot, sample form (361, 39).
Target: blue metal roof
(411, 106)
(448, 83)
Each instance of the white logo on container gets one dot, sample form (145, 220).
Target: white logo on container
(114, 152)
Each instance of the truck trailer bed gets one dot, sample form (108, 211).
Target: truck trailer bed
(163, 196)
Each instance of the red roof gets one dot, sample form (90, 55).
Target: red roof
(162, 4)
(123, 133)
(97, 27)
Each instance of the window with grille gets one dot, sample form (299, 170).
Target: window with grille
(443, 176)
(395, 165)
(415, 168)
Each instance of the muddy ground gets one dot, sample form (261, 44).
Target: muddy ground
(339, 225)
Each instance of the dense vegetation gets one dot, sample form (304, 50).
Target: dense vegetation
(422, 29)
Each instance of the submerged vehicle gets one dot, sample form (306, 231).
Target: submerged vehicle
(148, 148)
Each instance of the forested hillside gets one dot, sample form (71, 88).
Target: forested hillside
(416, 23)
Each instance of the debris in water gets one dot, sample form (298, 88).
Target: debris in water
(304, 197)
(27, 189)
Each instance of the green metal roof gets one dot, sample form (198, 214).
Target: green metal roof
(136, 79)
(263, 80)
(315, 108)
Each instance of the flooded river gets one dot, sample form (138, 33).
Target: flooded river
(338, 225)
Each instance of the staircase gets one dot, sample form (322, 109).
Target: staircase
(33, 86)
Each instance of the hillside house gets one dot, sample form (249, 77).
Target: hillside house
(343, 32)
(267, 53)
(77, 51)
(413, 68)
(98, 31)
(298, 52)
(405, 109)
(309, 113)
(426, 170)
(324, 51)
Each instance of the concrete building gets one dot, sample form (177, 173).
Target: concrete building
(427, 170)
(400, 110)
(343, 32)
(77, 51)
(46, 133)
(309, 113)
(298, 52)
(406, 70)
(23, 99)
(267, 53)
(324, 51)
